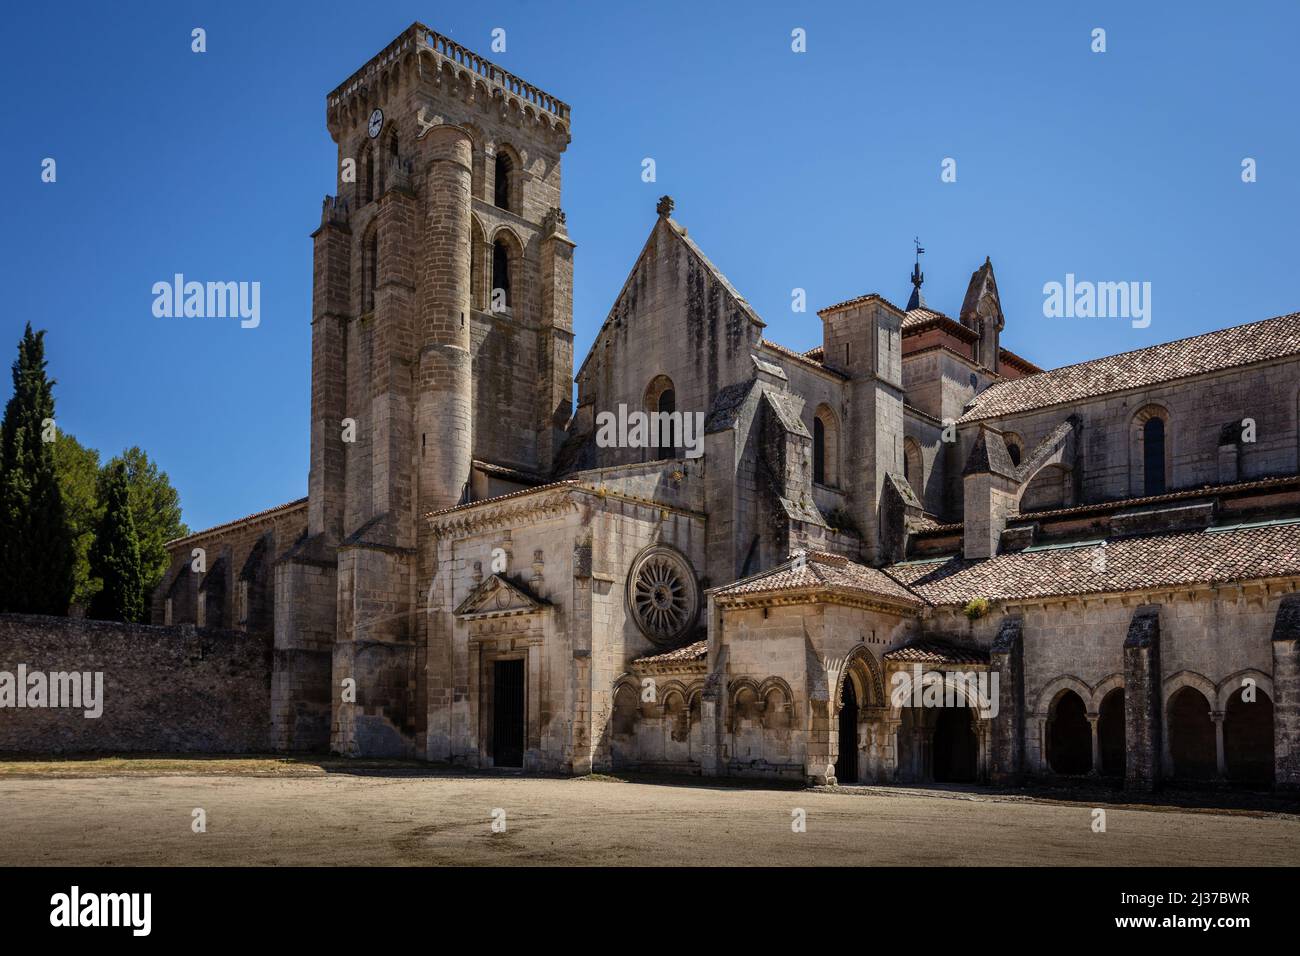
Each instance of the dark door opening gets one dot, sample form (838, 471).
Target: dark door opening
(508, 713)
(846, 767)
(1069, 740)
(954, 746)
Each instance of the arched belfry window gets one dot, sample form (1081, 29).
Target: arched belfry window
(661, 402)
(500, 296)
(501, 180)
(1153, 456)
(826, 447)
(1150, 456)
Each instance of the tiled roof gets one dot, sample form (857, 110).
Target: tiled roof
(822, 570)
(1209, 352)
(922, 315)
(255, 516)
(807, 358)
(936, 652)
(858, 300)
(691, 652)
(1011, 358)
(513, 494)
(1209, 556)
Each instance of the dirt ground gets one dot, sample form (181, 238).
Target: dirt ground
(281, 813)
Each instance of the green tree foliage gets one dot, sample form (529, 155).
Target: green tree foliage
(78, 470)
(115, 555)
(156, 509)
(37, 555)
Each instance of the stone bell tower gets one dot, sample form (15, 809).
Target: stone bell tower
(442, 349)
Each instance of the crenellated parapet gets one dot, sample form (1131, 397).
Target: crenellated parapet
(424, 56)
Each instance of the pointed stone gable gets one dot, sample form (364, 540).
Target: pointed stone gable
(982, 301)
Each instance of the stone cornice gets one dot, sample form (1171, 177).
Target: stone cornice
(529, 505)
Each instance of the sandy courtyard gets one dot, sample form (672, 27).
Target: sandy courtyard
(324, 818)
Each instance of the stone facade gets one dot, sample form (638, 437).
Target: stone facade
(478, 575)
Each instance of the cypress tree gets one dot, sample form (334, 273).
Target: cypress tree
(37, 557)
(115, 555)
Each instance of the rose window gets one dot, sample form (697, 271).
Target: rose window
(662, 595)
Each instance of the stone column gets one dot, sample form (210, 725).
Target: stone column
(1220, 758)
(1096, 744)
(444, 416)
(1286, 694)
(1007, 764)
(1142, 700)
(331, 306)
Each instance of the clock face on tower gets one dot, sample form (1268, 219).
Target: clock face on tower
(376, 123)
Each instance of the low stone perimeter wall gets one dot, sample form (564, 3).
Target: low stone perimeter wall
(166, 689)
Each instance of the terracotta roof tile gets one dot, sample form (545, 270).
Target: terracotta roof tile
(691, 652)
(1210, 352)
(921, 315)
(857, 300)
(255, 516)
(1209, 556)
(823, 570)
(936, 652)
(804, 357)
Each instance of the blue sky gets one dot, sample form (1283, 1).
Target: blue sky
(810, 170)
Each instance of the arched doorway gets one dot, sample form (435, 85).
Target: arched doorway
(846, 765)
(1069, 737)
(956, 750)
(1248, 738)
(1191, 735)
(1110, 734)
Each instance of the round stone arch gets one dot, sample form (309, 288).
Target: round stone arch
(744, 686)
(625, 708)
(827, 423)
(1232, 683)
(508, 159)
(695, 703)
(666, 689)
(894, 712)
(1058, 686)
(1013, 440)
(738, 686)
(1196, 741)
(775, 717)
(655, 390)
(1104, 687)
(512, 258)
(868, 681)
(1176, 682)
